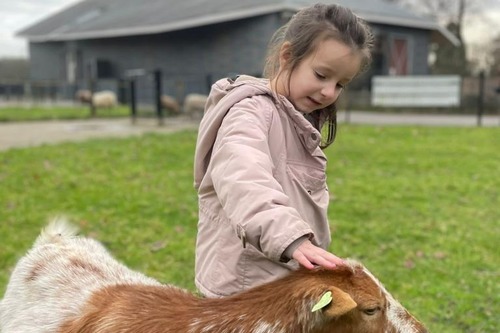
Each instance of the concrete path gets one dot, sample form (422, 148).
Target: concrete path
(27, 134)
(376, 118)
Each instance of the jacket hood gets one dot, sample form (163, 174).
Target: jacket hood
(223, 95)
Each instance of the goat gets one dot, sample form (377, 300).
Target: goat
(71, 284)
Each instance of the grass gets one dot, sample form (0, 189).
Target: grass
(30, 113)
(419, 206)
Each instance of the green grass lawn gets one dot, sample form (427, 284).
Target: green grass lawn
(418, 206)
(61, 112)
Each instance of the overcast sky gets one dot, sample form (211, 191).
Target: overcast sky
(16, 15)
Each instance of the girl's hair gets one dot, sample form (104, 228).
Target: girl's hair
(304, 31)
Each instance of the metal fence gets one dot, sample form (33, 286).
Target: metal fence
(476, 92)
(52, 91)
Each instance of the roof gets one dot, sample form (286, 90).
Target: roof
(116, 18)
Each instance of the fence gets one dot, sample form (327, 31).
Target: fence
(52, 91)
(180, 86)
(416, 91)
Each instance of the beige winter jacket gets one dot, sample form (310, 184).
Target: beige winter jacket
(261, 182)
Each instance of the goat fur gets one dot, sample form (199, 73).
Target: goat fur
(71, 284)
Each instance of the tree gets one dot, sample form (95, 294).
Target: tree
(451, 59)
(495, 57)
(14, 69)
(451, 14)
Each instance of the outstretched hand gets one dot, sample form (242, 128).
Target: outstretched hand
(309, 255)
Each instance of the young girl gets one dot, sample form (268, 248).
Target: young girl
(259, 164)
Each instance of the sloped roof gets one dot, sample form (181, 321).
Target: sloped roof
(114, 18)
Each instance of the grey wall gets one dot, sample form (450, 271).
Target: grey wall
(187, 59)
(418, 39)
(191, 59)
(47, 61)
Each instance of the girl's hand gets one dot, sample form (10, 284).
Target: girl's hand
(309, 255)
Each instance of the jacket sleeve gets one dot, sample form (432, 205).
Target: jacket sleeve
(242, 175)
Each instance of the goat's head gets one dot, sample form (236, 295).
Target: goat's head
(360, 303)
(355, 302)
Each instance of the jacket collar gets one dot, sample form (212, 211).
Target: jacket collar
(309, 135)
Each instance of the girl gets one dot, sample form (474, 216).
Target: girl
(259, 164)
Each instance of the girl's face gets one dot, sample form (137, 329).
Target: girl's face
(319, 78)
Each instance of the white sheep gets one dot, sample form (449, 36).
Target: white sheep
(104, 99)
(194, 105)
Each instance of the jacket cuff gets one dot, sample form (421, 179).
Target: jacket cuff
(287, 254)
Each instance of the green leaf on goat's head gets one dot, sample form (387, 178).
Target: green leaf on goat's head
(324, 301)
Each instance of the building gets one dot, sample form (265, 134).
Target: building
(194, 42)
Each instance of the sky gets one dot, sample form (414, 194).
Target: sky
(16, 15)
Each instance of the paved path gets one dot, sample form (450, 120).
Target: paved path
(375, 118)
(26, 134)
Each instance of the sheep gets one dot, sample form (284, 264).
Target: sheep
(70, 284)
(83, 96)
(104, 99)
(170, 104)
(194, 105)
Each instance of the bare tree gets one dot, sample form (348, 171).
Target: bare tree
(449, 11)
(451, 14)
(495, 57)
(14, 69)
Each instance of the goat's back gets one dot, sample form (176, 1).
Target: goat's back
(71, 284)
(77, 265)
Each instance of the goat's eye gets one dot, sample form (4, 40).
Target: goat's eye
(371, 311)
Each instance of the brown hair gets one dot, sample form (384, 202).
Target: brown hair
(305, 29)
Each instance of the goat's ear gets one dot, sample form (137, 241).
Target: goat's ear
(334, 302)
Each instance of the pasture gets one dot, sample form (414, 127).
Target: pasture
(49, 112)
(418, 206)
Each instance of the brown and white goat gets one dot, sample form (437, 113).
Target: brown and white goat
(70, 284)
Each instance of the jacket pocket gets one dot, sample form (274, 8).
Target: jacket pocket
(310, 179)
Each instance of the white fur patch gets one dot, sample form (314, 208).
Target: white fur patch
(396, 312)
(57, 229)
